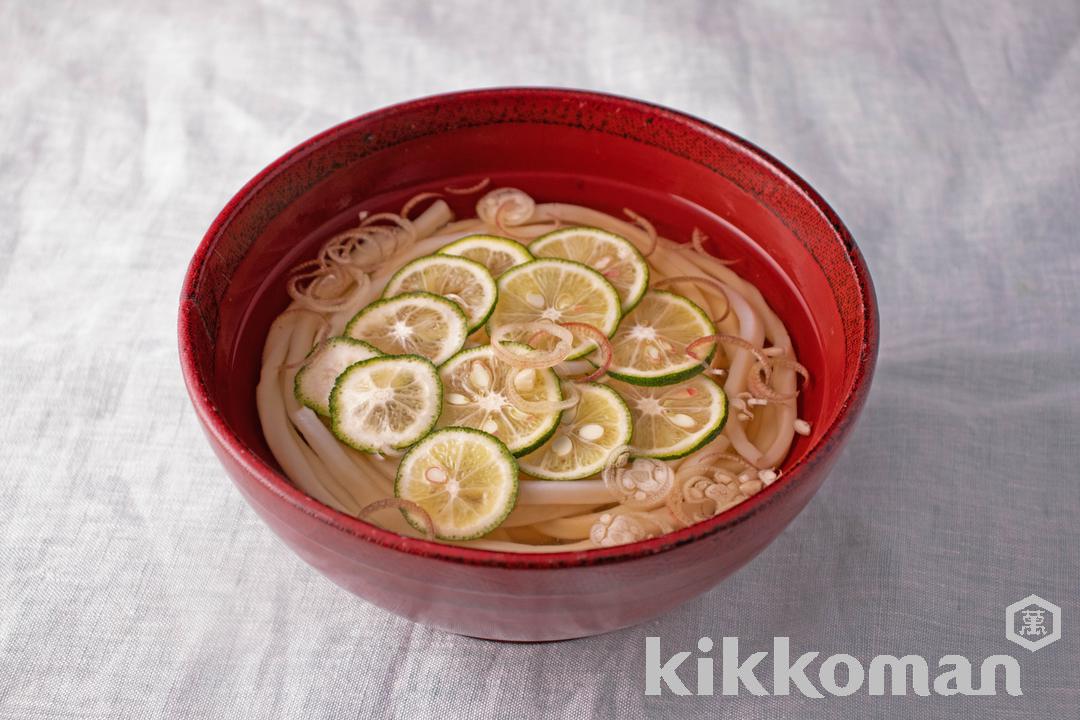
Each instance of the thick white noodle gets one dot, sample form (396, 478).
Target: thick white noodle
(355, 482)
(434, 217)
(562, 492)
(347, 480)
(270, 403)
(577, 527)
(299, 345)
(523, 515)
(578, 215)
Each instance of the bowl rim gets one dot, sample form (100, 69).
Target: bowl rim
(270, 479)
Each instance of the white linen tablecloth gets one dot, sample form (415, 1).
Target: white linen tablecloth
(135, 582)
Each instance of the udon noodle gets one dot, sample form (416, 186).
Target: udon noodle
(631, 499)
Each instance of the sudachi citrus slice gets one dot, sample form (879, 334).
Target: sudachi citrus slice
(497, 254)
(650, 346)
(585, 437)
(465, 479)
(555, 290)
(417, 323)
(671, 421)
(315, 380)
(476, 395)
(387, 402)
(613, 256)
(460, 280)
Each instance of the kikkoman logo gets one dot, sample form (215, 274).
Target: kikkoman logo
(1033, 623)
(839, 674)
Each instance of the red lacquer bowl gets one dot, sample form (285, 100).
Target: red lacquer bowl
(598, 150)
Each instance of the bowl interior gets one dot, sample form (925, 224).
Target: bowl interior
(604, 152)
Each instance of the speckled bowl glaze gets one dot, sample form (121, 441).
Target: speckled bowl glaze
(598, 150)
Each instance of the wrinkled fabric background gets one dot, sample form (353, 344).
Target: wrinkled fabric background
(134, 581)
